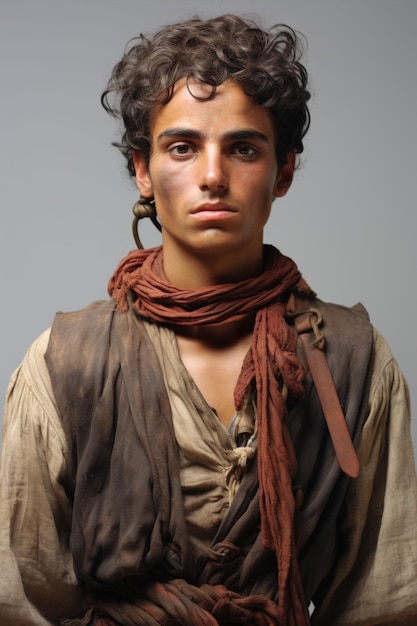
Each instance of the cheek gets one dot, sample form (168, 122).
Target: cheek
(168, 183)
(262, 195)
(169, 196)
(261, 187)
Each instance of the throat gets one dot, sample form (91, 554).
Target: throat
(218, 336)
(214, 357)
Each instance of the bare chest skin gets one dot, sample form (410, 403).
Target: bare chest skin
(215, 365)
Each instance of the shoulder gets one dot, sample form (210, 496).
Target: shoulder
(347, 333)
(76, 335)
(95, 316)
(31, 378)
(385, 364)
(343, 321)
(389, 393)
(30, 409)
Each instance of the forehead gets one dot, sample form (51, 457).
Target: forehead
(194, 106)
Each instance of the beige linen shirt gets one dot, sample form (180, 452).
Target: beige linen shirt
(376, 578)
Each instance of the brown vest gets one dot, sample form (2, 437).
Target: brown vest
(128, 515)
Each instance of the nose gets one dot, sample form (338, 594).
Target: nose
(213, 175)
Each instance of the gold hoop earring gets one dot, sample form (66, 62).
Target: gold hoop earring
(144, 207)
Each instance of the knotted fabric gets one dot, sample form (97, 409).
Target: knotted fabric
(175, 603)
(271, 361)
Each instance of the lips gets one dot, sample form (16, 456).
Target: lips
(213, 207)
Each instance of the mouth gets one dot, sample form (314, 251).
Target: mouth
(213, 209)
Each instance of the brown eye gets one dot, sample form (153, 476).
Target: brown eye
(181, 149)
(244, 150)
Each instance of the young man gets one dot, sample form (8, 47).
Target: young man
(167, 456)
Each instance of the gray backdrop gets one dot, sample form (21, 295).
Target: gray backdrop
(349, 220)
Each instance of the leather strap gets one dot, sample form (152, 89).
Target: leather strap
(307, 324)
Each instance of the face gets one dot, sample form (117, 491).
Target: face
(213, 174)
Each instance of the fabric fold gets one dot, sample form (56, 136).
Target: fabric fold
(272, 363)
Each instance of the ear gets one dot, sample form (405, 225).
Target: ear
(286, 174)
(143, 179)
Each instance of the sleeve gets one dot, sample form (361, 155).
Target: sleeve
(38, 586)
(375, 581)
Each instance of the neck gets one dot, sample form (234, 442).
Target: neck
(218, 335)
(189, 271)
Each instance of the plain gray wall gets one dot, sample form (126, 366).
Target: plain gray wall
(349, 221)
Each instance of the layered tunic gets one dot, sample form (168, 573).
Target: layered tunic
(87, 498)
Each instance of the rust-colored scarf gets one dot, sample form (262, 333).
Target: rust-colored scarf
(272, 362)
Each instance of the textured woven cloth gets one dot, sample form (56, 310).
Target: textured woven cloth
(272, 362)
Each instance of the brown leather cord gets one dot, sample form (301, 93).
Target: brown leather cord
(144, 207)
(307, 321)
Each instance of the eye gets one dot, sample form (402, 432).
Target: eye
(181, 149)
(245, 150)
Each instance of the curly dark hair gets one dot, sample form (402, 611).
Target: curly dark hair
(265, 63)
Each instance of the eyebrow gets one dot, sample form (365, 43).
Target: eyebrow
(233, 135)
